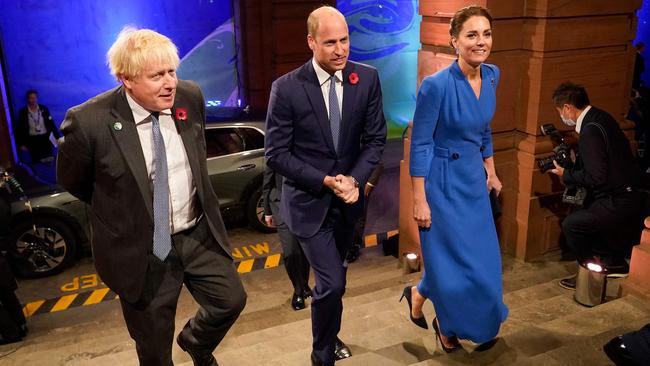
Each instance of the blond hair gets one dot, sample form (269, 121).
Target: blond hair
(135, 48)
(314, 18)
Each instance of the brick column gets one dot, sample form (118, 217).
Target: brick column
(639, 281)
(537, 45)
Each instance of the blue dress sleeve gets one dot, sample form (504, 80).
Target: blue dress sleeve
(425, 119)
(486, 137)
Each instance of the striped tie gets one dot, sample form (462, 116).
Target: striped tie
(335, 114)
(162, 241)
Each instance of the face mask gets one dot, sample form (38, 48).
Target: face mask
(568, 121)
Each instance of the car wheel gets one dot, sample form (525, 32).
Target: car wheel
(255, 212)
(42, 247)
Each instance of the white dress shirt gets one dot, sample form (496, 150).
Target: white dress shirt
(581, 117)
(324, 80)
(182, 190)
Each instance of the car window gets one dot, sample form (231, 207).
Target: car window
(253, 138)
(223, 141)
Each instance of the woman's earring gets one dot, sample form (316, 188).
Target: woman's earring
(457, 51)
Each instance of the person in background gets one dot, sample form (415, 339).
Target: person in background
(451, 153)
(359, 228)
(606, 227)
(639, 67)
(13, 326)
(295, 261)
(33, 127)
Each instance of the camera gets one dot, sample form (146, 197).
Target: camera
(561, 150)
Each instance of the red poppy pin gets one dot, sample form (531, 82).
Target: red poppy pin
(181, 114)
(353, 78)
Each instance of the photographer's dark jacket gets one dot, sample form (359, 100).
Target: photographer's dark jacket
(605, 164)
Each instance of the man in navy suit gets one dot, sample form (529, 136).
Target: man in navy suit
(325, 134)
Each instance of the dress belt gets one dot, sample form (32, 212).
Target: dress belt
(456, 153)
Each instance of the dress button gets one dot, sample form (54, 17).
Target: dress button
(455, 156)
(482, 148)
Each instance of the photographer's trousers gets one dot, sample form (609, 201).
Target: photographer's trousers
(608, 227)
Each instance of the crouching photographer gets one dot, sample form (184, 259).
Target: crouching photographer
(607, 223)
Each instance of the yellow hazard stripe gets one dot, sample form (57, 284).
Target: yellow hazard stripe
(272, 261)
(371, 240)
(245, 266)
(96, 296)
(63, 303)
(32, 307)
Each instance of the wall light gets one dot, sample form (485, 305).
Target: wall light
(411, 263)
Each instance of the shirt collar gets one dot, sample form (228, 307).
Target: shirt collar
(140, 114)
(323, 75)
(581, 117)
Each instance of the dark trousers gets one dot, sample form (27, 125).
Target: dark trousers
(326, 253)
(12, 319)
(295, 261)
(39, 147)
(199, 262)
(608, 227)
(638, 344)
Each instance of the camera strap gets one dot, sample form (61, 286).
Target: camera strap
(603, 132)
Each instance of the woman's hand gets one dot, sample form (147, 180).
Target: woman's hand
(422, 213)
(493, 182)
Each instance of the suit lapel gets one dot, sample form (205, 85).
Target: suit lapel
(315, 95)
(187, 128)
(349, 99)
(126, 135)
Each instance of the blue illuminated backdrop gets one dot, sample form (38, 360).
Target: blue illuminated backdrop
(643, 35)
(386, 34)
(59, 47)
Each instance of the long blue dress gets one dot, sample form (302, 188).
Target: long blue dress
(451, 136)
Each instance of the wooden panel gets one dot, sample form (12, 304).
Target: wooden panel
(572, 8)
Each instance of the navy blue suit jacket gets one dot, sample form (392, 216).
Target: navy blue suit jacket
(299, 143)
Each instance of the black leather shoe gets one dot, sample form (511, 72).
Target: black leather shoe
(315, 361)
(307, 293)
(199, 357)
(353, 254)
(618, 353)
(568, 283)
(298, 302)
(341, 350)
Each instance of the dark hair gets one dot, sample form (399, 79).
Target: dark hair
(461, 16)
(570, 93)
(30, 92)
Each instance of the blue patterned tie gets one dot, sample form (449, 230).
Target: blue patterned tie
(162, 241)
(335, 114)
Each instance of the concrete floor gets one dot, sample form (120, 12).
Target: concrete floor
(75, 320)
(545, 327)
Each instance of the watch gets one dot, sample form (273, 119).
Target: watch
(356, 182)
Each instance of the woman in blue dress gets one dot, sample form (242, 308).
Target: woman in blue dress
(451, 156)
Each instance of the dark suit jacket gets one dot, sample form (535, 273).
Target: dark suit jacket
(299, 144)
(104, 166)
(21, 126)
(605, 163)
(272, 193)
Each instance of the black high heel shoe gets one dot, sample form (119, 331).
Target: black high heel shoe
(420, 322)
(439, 337)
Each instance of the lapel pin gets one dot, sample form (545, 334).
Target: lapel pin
(117, 126)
